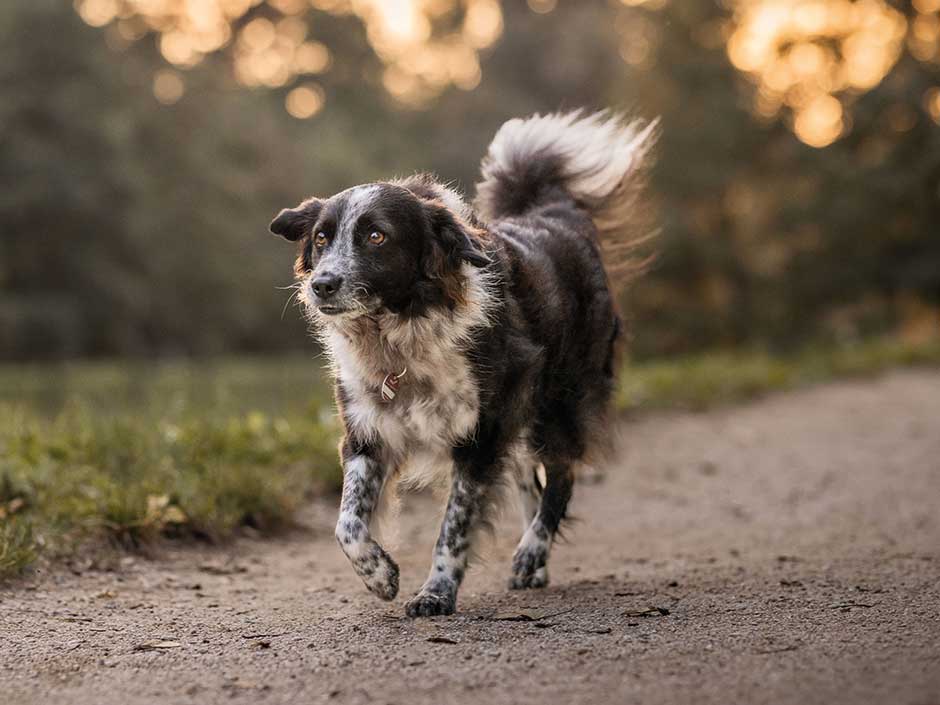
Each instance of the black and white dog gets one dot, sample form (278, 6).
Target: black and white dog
(472, 346)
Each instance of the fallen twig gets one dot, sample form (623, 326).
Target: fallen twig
(779, 650)
(263, 636)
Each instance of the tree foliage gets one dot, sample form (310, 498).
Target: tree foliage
(131, 226)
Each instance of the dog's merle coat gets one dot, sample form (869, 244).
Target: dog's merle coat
(502, 321)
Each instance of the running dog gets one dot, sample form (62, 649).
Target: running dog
(475, 346)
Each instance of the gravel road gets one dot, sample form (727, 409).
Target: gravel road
(785, 551)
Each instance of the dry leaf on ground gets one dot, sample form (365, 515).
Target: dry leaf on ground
(647, 612)
(157, 645)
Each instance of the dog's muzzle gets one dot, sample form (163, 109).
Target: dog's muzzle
(326, 287)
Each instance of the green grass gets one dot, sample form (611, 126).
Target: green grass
(710, 379)
(126, 453)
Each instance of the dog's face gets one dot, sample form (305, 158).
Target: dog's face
(379, 246)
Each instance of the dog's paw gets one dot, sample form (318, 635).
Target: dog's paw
(536, 579)
(370, 561)
(529, 569)
(430, 604)
(380, 574)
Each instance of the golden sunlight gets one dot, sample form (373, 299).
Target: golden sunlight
(809, 59)
(168, 86)
(542, 7)
(648, 4)
(810, 56)
(932, 103)
(304, 101)
(272, 48)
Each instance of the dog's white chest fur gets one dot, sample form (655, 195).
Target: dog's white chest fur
(437, 402)
(420, 426)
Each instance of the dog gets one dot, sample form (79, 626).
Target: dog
(475, 346)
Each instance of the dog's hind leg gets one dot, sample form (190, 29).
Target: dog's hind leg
(363, 478)
(530, 493)
(524, 468)
(530, 561)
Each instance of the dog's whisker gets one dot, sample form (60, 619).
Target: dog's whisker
(292, 297)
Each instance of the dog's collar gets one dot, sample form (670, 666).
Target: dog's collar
(391, 383)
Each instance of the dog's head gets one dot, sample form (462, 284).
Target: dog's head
(394, 246)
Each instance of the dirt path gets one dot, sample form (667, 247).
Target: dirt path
(794, 542)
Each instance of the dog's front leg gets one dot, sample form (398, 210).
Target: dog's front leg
(363, 478)
(465, 509)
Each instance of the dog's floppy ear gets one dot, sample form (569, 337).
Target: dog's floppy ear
(459, 241)
(293, 223)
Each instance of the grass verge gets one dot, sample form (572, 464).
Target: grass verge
(703, 381)
(126, 453)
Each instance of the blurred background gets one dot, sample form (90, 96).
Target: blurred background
(156, 381)
(145, 145)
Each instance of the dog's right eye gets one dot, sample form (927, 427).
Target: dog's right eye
(320, 240)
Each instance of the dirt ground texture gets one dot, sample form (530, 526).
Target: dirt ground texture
(785, 551)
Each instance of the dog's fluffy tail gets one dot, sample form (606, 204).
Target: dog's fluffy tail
(599, 160)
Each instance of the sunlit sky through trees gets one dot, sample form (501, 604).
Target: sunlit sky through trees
(808, 60)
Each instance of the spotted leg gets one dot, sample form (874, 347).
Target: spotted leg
(363, 477)
(465, 509)
(530, 562)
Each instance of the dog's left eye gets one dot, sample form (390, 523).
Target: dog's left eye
(376, 238)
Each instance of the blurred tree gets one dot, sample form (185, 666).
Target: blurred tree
(124, 225)
(137, 193)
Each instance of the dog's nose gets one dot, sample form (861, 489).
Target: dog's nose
(325, 285)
